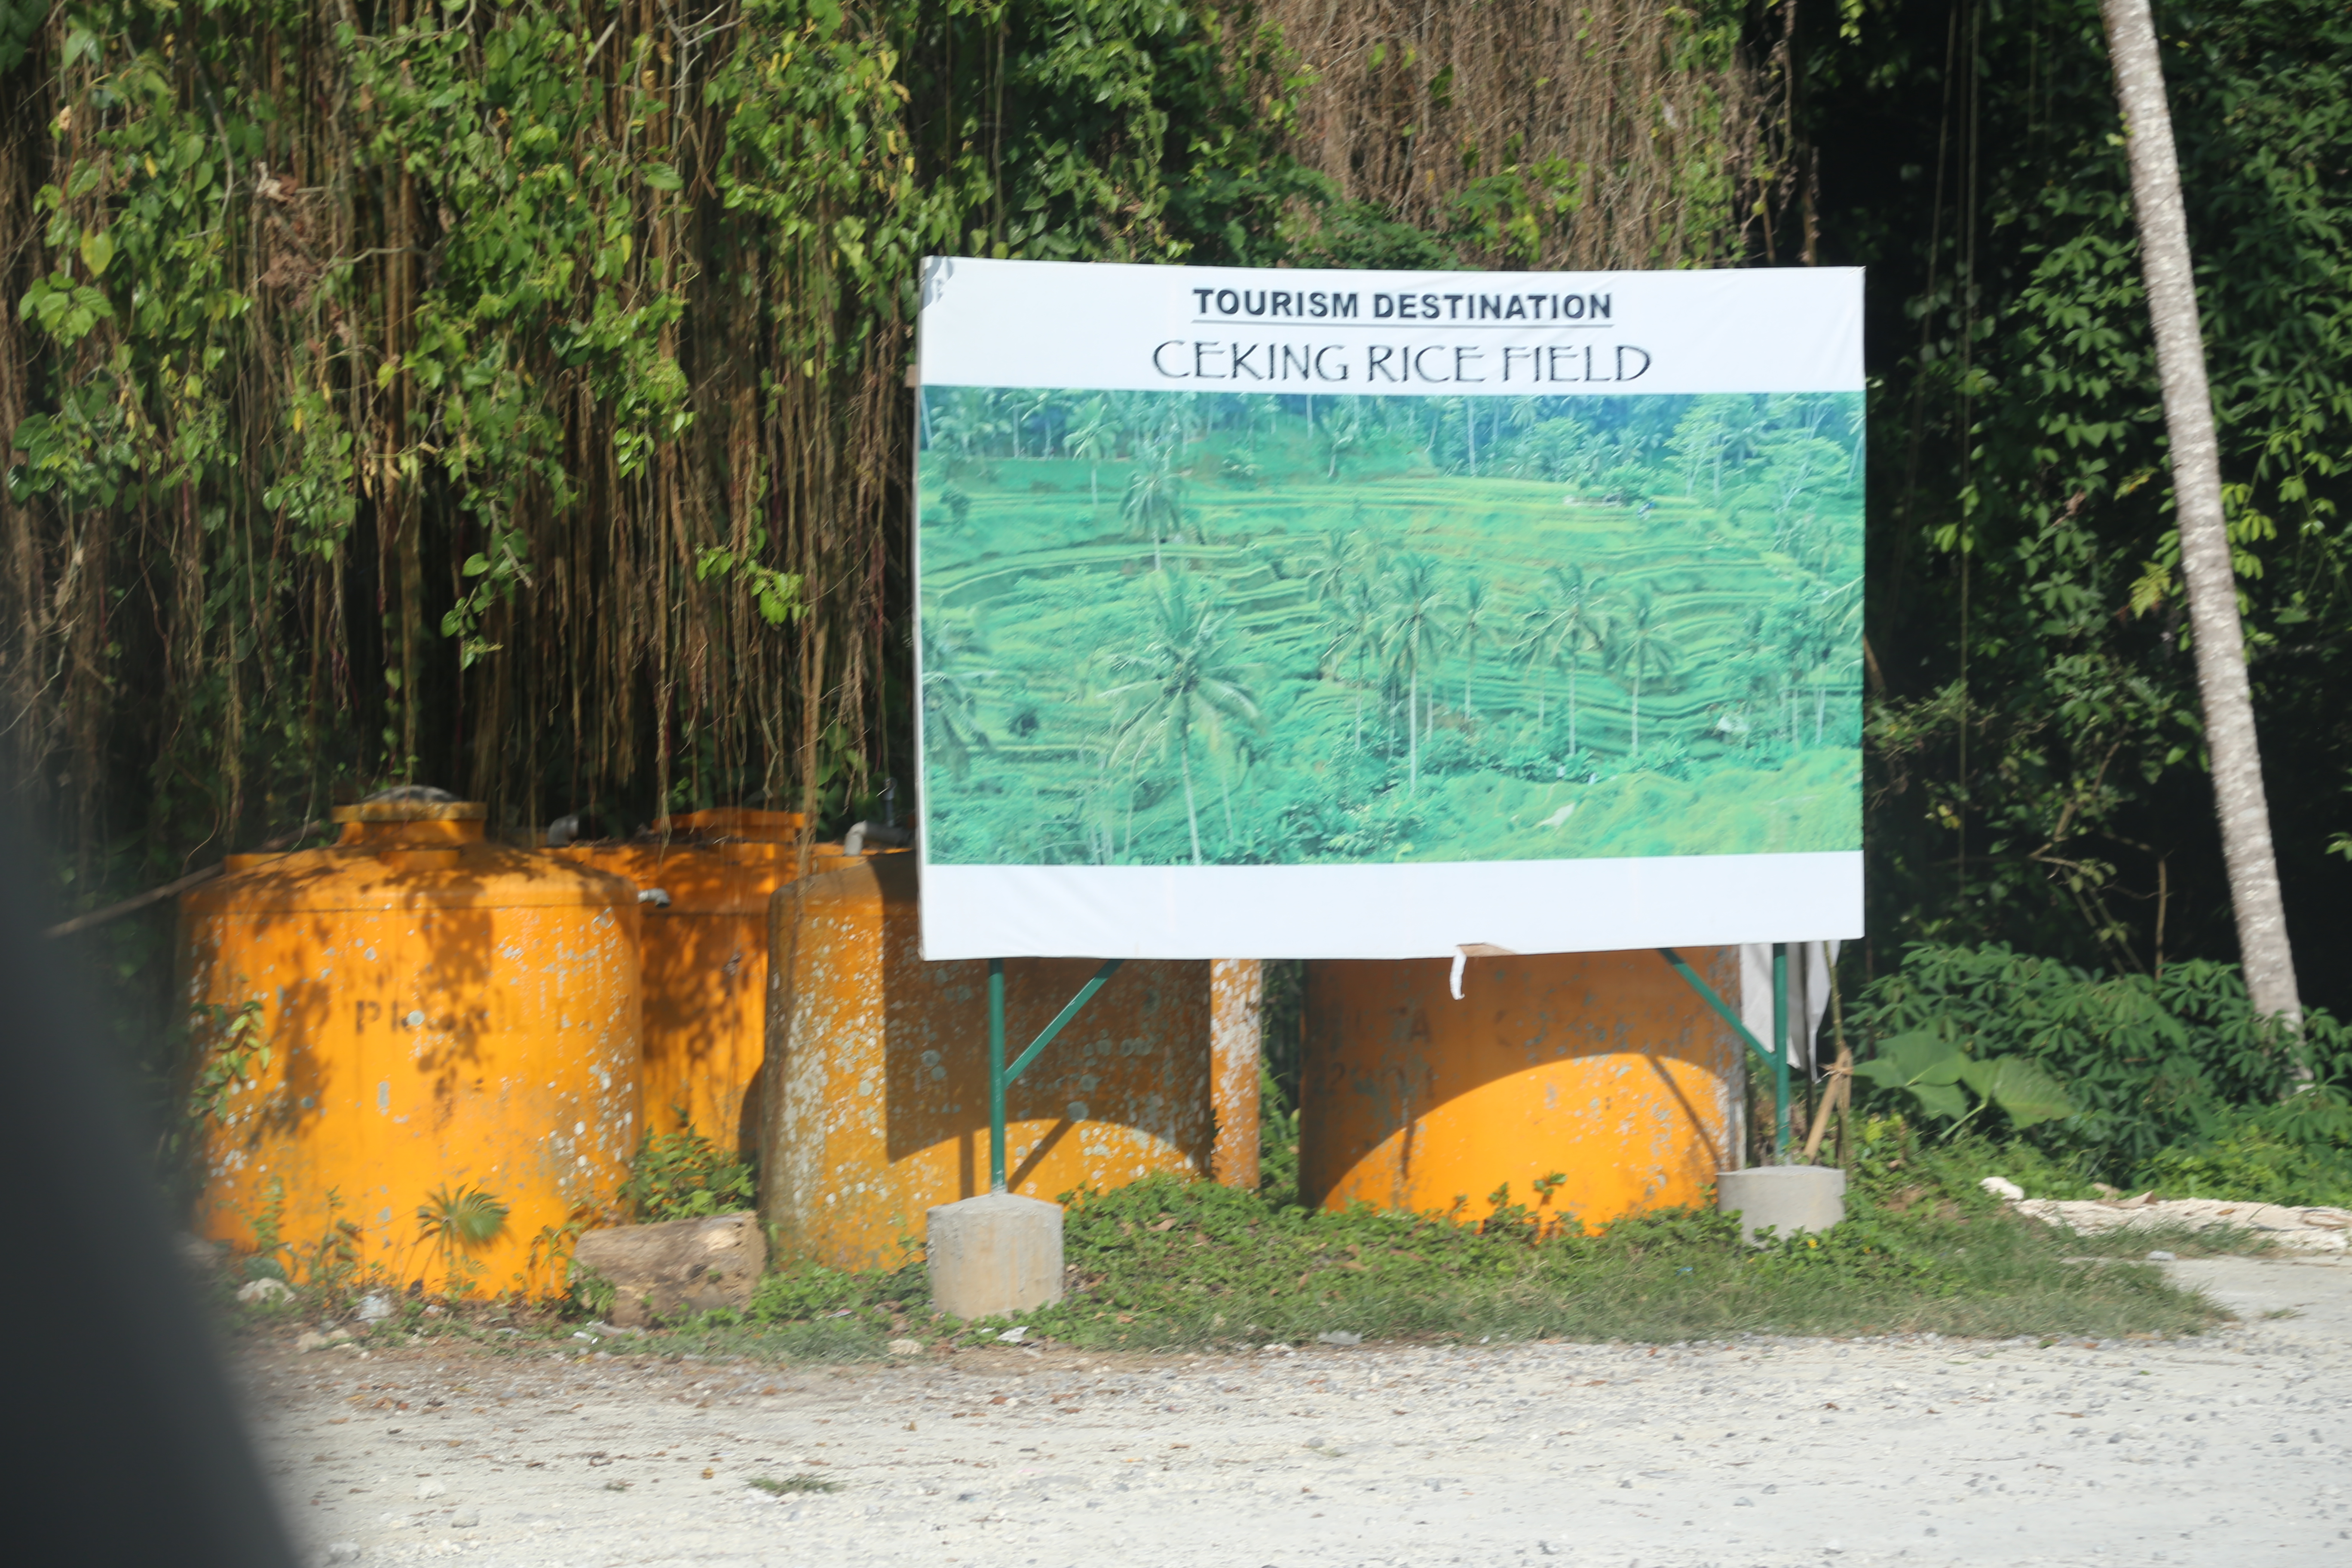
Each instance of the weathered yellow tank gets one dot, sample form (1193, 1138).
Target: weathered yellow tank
(705, 960)
(878, 1068)
(1604, 1069)
(445, 1017)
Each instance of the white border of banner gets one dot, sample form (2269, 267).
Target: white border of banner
(1095, 325)
(1110, 327)
(1408, 909)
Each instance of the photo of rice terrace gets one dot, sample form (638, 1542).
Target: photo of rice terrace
(1199, 628)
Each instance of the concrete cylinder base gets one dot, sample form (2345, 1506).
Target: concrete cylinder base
(1787, 1198)
(995, 1253)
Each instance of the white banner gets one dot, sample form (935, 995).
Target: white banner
(1286, 614)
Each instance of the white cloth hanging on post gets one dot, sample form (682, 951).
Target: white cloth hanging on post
(1808, 997)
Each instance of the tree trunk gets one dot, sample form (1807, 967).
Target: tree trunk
(1412, 734)
(2206, 572)
(1192, 810)
(1572, 662)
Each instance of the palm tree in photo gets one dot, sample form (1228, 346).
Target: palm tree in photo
(1180, 680)
(1357, 636)
(1471, 622)
(1092, 437)
(1839, 613)
(1155, 498)
(1346, 555)
(1415, 640)
(951, 729)
(1642, 649)
(1569, 618)
(1342, 431)
(1028, 405)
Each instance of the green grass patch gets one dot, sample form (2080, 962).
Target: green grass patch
(803, 1482)
(1165, 1264)
(1162, 1264)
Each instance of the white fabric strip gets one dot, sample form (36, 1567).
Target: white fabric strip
(1409, 911)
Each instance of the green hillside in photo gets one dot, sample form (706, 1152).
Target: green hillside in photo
(1188, 629)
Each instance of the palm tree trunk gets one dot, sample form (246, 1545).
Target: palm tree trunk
(2205, 569)
(1412, 733)
(1572, 700)
(1192, 809)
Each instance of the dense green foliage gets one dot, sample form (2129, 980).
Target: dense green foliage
(684, 1175)
(2156, 1070)
(511, 398)
(2039, 766)
(2296, 1152)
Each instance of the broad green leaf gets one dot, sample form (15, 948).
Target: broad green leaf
(97, 251)
(2025, 1093)
(1927, 1063)
(1908, 1060)
(1941, 1100)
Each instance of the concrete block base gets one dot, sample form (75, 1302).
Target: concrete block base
(995, 1253)
(1789, 1198)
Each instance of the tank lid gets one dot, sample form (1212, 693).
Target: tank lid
(376, 808)
(740, 822)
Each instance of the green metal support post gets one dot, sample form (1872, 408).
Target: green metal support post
(1780, 1051)
(996, 1075)
(1777, 1061)
(1000, 1076)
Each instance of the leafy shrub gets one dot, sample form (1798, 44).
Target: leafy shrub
(2145, 1063)
(1454, 752)
(684, 1175)
(457, 1222)
(592, 1295)
(1936, 1070)
(802, 1292)
(2297, 1152)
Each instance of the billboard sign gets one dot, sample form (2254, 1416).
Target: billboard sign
(1292, 613)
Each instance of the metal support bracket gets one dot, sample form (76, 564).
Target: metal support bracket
(1776, 1060)
(1000, 1076)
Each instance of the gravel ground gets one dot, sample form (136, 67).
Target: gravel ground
(2228, 1449)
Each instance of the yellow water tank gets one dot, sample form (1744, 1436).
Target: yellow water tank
(1604, 1069)
(445, 1017)
(878, 1072)
(706, 959)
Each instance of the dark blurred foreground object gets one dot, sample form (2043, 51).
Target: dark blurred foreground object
(128, 1448)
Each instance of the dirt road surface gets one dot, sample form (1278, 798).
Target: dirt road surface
(2224, 1450)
